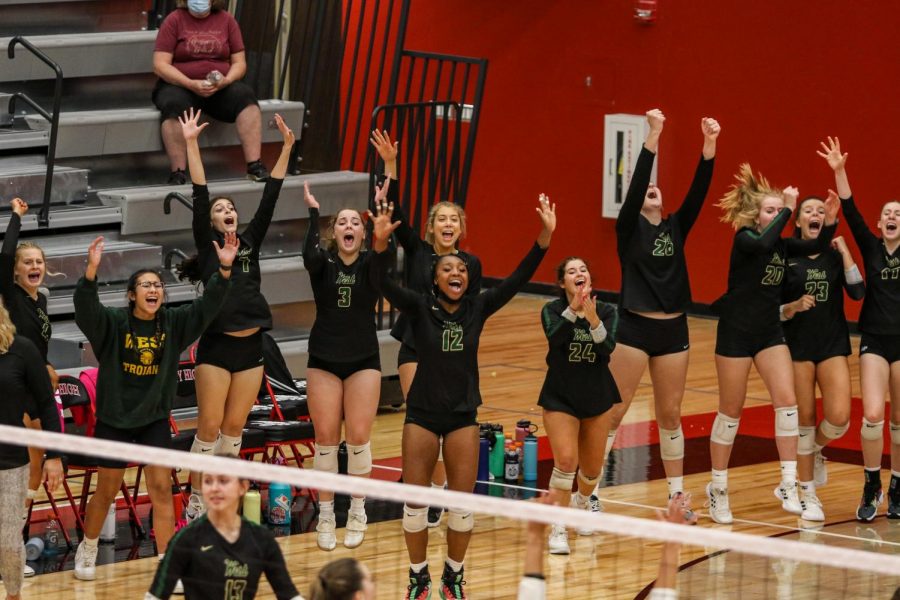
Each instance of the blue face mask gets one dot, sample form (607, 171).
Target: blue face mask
(198, 7)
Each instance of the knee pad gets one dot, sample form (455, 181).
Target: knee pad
(671, 443)
(724, 430)
(806, 443)
(591, 481)
(359, 459)
(460, 520)
(895, 433)
(787, 422)
(833, 432)
(415, 519)
(228, 445)
(560, 480)
(872, 431)
(326, 458)
(201, 447)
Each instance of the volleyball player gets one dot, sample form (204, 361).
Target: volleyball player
(138, 349)
(343, 579)
(221, 556)
(26, 387)
(819, 340)
(229, 355)
(22, 271)
(578, 390)
(444, 397)
(343, 375)
(879, 348)
(445, 228)
(656, 293)
(750, 332)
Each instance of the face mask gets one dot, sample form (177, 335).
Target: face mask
(198, 7)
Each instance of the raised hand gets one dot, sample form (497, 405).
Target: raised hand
(710, 128)
(589, 306)
(831, 152)
(790, 195)
(839, 244)
(308, 197)
(286, 134)
(547, 213)
(381, 140)
(228, 250)
(655, 118)
(19, 206)
(832, 207)
(190, 126)
(95, 252)
(577, 303)
(382, 227)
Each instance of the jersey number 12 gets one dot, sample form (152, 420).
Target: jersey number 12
(451, 340)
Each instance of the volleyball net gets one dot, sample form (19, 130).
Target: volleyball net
(620, 559)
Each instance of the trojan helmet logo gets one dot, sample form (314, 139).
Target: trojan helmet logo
(147, 355)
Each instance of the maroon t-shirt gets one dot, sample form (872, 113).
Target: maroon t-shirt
(199, 46)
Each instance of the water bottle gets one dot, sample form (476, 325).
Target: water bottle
(34, 547)
(530, 462)
(214, 77)
(52, 534)
(511, 471)
(484, 452)
(108, 532)
(523, 428)
(496, 462)
(279, 503)
(252, 505)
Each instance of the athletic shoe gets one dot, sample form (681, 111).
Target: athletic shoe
(195, 508)
(434, 515)
(86, 562)
(559, 540)
(820, 470)
(719, 506)
(256, 171)
(893, 511)
(812, 507)
(452, 583)
(177, 177)
(419, 587)
(868, 505)
(28, 571)
(356, 529)
(790, 501)
(178, 590)
(593, 506)
(325, 532)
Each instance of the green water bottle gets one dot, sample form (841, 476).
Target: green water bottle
(496, 465)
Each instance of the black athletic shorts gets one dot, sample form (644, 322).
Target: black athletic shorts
(156, 435)
(229, 352)
(407, 354)
(225, 105)
(655, 337)
(343, 370)
(736, 343)
(441, 424)
(579, 410)
(819, 346)
(885, 346)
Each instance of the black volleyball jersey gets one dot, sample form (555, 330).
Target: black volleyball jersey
(577, 366)
(654, 269)
(446, 379)
(881, 308)
(245, 306)
(344, 329)
(28, 315)
(756, 273)
(419, 258)
(823, 278)
(212, 568)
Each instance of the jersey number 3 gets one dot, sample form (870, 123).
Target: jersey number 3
(344, 299)
(581, 352)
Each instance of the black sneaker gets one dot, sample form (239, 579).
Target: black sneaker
(868, 505)
(893, 511)
(177, 177)
(452, 583)
(256, 171)
(434, 515)
(419, 587)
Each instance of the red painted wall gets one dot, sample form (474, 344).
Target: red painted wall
(778, 76)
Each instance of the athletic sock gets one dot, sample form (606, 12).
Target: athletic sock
(720, 479)
(455, 566)
(873, 476)
(610, 440)
(580, 500)
(357, 504)
(789, 472)
(326, 507)
(417, 567)
(91, 543)
(807, 487)
(675, 485)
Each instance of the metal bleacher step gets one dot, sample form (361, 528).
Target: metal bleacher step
(122, 131)
(69, 217)
(142, 207)
(27, 182)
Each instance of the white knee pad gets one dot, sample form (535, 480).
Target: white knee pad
(895, 433)
(359, 459)
(724, 430)
(326, 459)
(671, 443)
(201, 447)
(833, 432)
(560, 480)
(591, 481)
(806, 443)
(872, 431)
(460, 520)
(415, 519)
(787, 422)
(228, 445)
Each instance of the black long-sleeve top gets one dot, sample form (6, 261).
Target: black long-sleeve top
(881, 309)
(345, 296)
(654, 269)
(756, 273)
(24, 377)
(446, 379)
(27, 314)
(245, 306)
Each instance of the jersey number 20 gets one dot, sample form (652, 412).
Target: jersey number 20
(773, 275)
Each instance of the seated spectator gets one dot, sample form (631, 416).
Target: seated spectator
(200, 60)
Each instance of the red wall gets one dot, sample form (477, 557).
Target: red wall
(778, 76)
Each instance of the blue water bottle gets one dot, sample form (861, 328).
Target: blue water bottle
(530, 462)
(484, 453)
(279, 503)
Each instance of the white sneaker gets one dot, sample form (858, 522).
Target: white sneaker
(812, 508)
(790, 501)
(28, 571)
(820, 470)
(195, 508)
(559, 540)
(178, 590)
(86, 562)
(593, 506)
(719, 507)
(325, 532)
(356, 529)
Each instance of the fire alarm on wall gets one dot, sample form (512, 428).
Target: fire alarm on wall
(645, 11)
